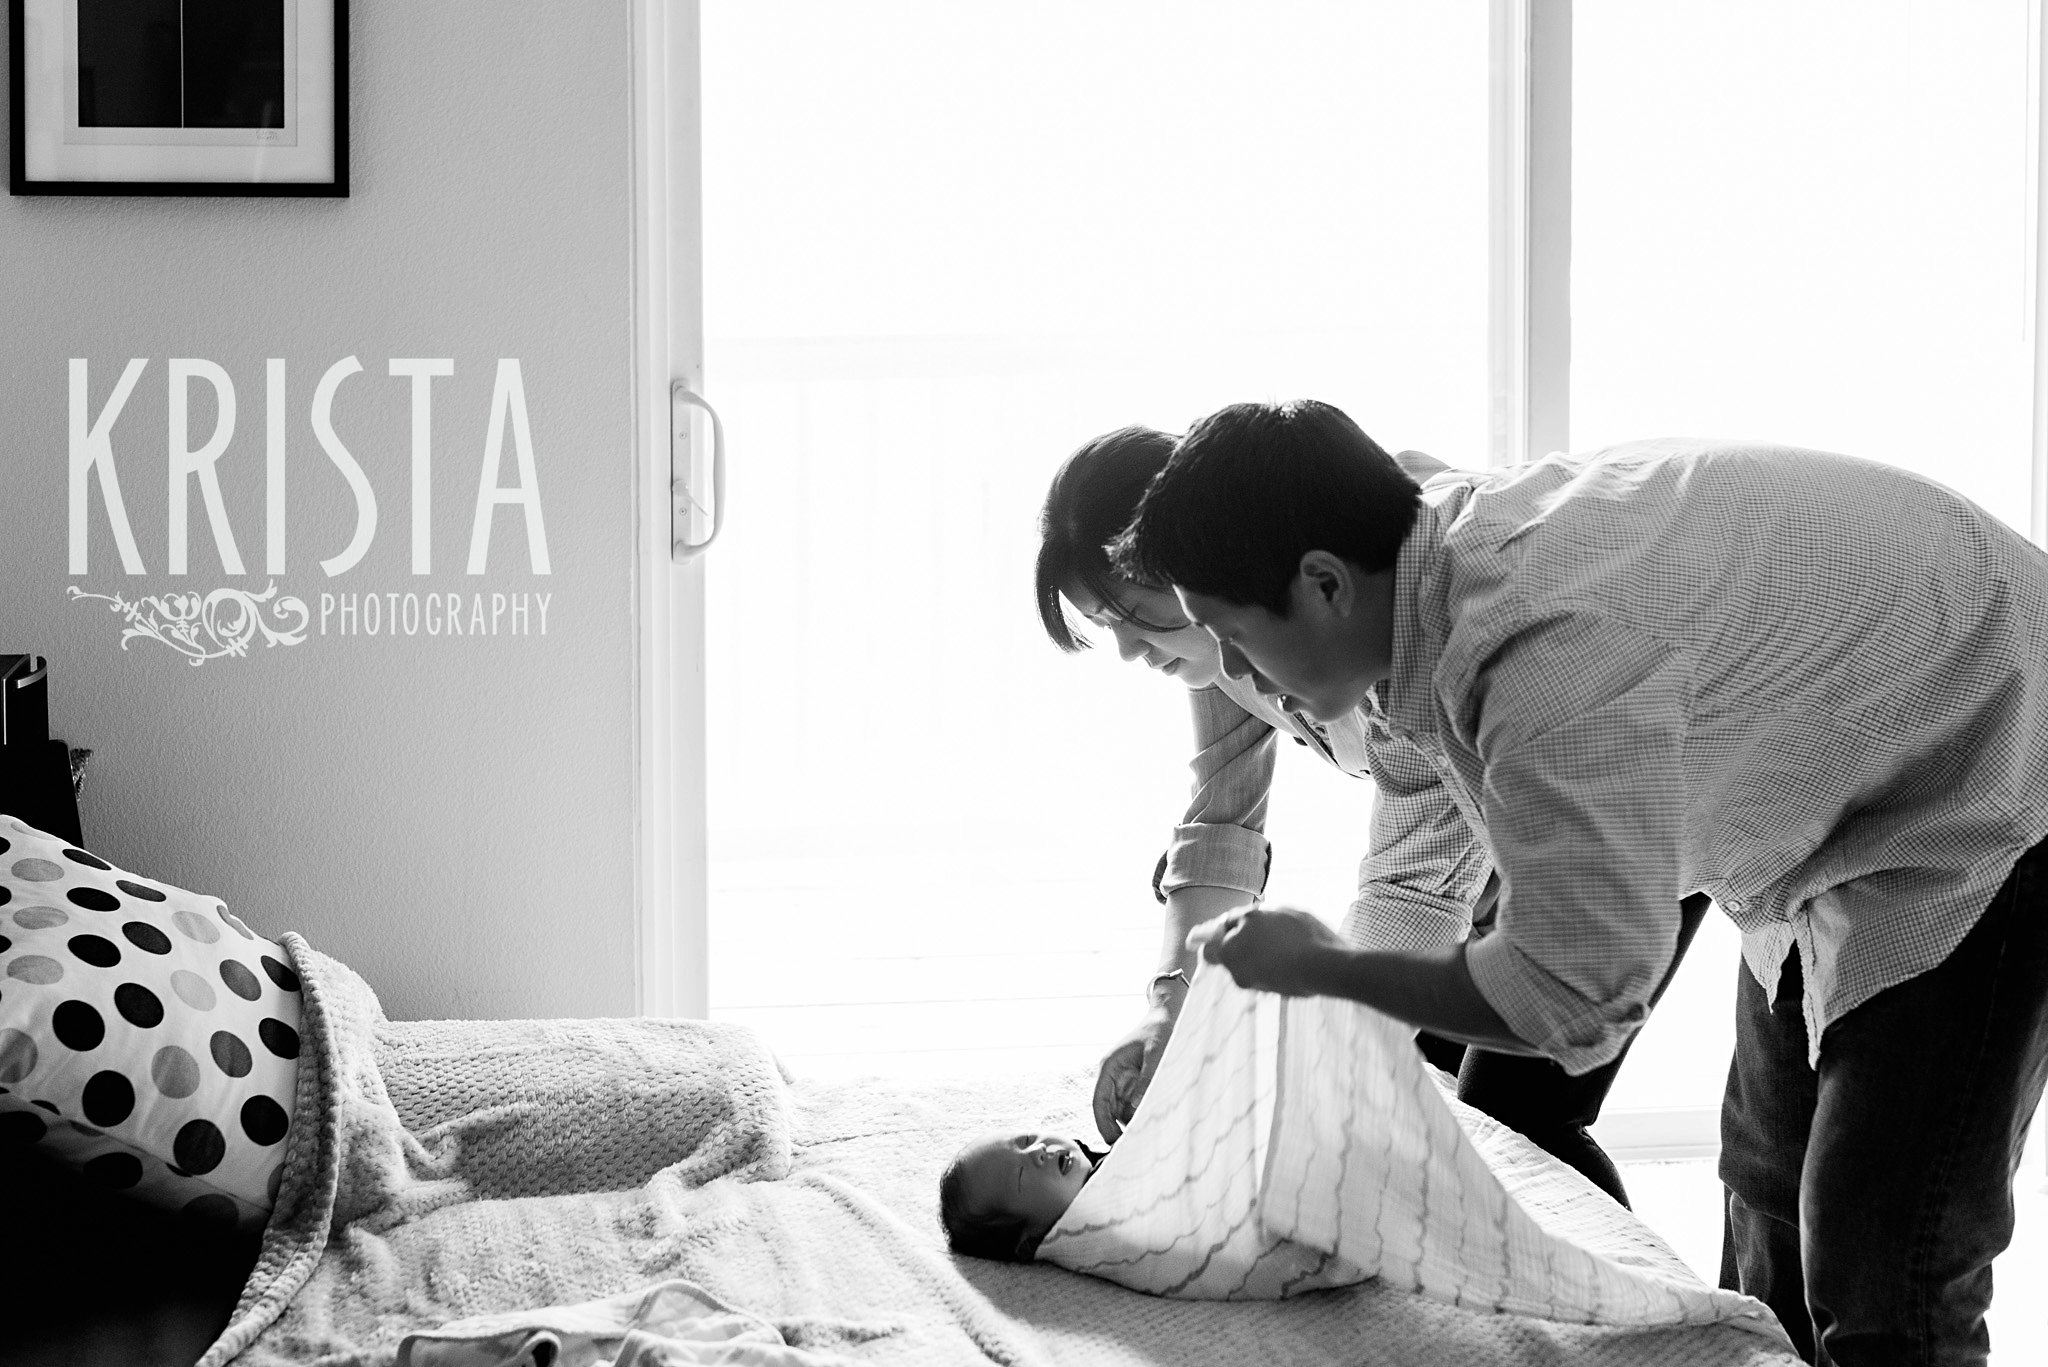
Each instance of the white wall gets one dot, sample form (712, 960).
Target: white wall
(453, 817)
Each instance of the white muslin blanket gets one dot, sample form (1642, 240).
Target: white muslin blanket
(1294, 1143)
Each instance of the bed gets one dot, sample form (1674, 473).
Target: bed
(442, 1170)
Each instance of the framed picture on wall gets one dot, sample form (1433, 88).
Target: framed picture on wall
(178, 97)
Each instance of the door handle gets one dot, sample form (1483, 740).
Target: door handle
(681, 501)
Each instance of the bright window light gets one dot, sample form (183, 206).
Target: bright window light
(944, 245)
(1807, 223)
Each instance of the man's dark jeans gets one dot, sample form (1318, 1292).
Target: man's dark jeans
(1541, 1101)
(1866, 1200)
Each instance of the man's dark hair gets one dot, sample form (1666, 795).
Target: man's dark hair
(999, 1238)
(1254, 487)
(1091, 499)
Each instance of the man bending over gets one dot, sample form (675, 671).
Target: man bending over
(1811, 687)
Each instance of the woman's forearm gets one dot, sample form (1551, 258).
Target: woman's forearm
(1187, 908)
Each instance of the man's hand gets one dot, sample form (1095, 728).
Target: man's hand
(1282, 950)
(1127, 1071)
(1295, 954)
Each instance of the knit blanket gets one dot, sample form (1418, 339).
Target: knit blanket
(395, 1122)
(1293, 1144)
(411, 1207)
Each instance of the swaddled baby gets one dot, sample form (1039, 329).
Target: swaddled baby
(1287, 1146)
(1002, 1194)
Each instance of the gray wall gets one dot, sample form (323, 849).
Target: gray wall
(452, 816)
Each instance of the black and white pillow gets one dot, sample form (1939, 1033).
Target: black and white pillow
(148, 1038)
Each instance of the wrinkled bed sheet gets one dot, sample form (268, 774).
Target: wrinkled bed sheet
(889, 1144)
(446, 1171)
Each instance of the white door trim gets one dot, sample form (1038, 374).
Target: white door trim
(1529, 340)
(670, 894)
(2037, 305)
(1530, 230)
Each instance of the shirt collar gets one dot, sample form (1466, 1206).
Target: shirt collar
(1405, 694)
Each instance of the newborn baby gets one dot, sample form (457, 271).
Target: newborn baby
(1001, 1195)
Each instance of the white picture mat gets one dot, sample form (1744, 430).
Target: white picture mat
(50, 114)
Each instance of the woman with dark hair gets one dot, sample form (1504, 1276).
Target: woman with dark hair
(1217, 860)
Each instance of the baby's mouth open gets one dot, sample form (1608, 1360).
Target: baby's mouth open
(1066, 1162)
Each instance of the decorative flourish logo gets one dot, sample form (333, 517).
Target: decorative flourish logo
(221, 623)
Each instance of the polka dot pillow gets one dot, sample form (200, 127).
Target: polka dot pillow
(148, 1038)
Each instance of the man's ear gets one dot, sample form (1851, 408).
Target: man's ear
(1327, 581)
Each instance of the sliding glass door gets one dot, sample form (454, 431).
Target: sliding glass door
(945, 245)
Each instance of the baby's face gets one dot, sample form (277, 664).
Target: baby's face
(1032, 1176)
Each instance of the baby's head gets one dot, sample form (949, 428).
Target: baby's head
(1001, 1195)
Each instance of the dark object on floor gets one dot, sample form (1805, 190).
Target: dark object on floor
(98, 1280)
(38, 782)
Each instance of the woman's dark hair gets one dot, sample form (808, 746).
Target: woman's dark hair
(1091, 499)
(1254, 487)
(999, 1238)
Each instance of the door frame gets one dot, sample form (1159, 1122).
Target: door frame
(1530, 349)
(2037, 304)
(671, 941)
(1529, 229)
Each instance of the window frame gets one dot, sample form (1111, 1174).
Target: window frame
(2037, 304)
(671, 889)
(1529, 83)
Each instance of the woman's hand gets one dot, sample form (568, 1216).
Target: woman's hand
(1282, 950)
(1128, 1068)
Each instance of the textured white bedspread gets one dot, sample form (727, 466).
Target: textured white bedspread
(475, 1195)
(885, 1144)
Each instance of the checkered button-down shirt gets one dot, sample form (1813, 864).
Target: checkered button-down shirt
(1813, 687)
(1416, 887)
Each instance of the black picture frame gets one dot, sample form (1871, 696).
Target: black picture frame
(203, 99)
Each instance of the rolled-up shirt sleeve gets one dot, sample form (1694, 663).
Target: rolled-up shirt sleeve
(1423, 867)
(1220, 841)
(1582, 741)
